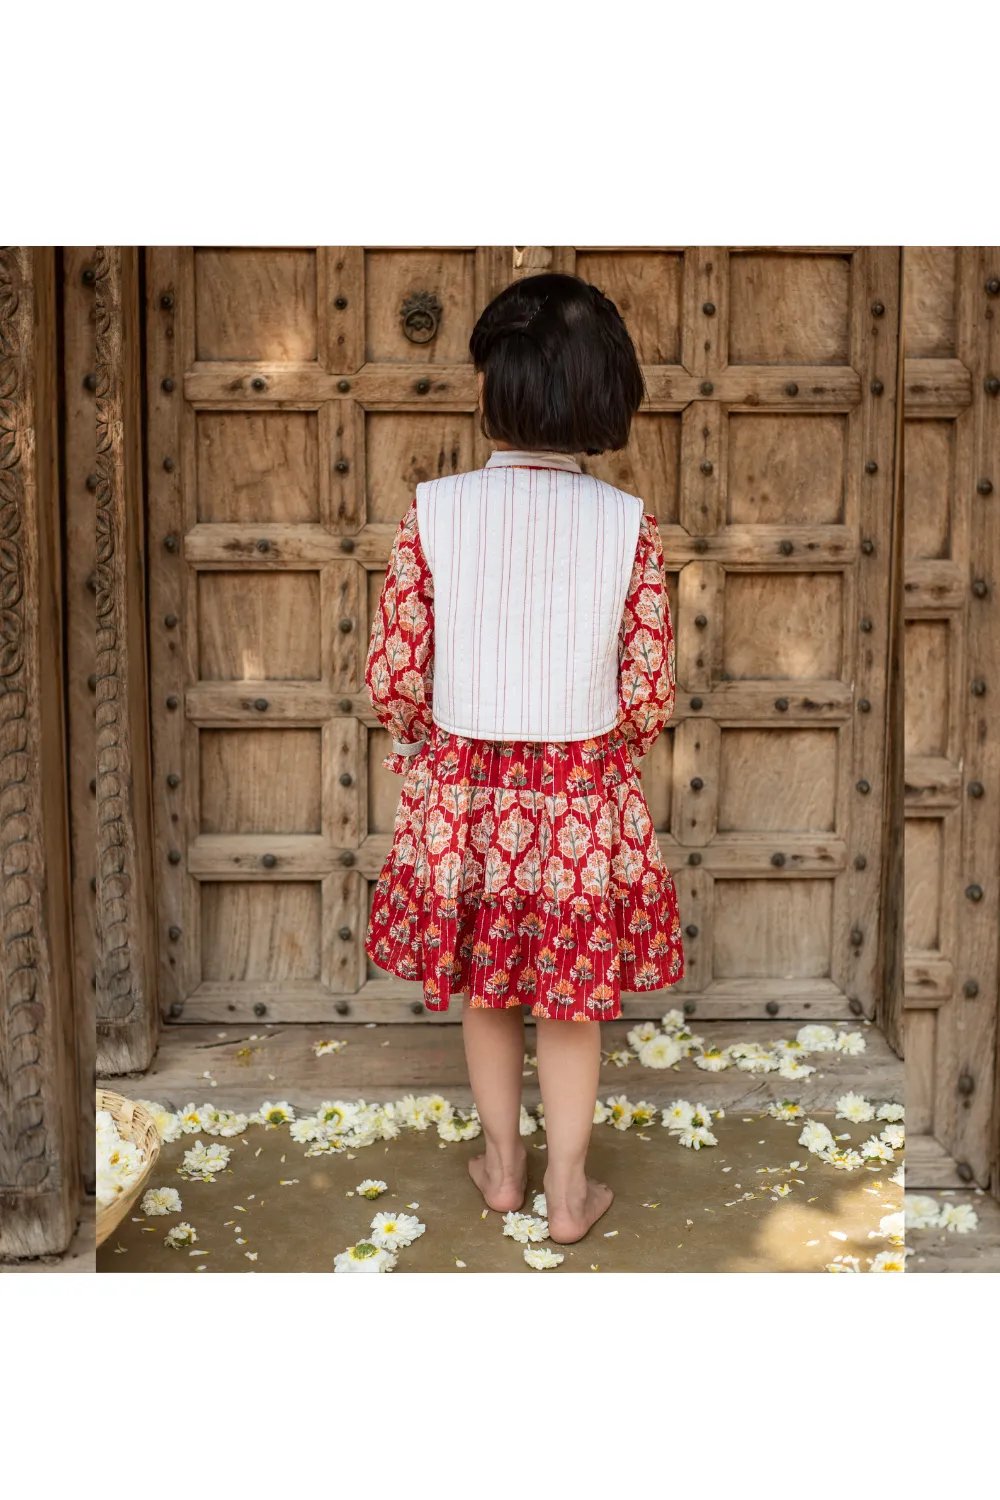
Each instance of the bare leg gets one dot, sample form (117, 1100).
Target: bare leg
(494, 1052)
(569, 1071)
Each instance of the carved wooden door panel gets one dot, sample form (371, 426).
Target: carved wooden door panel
(952, 480)
(307, 392)
(295, 398)
(767, 454)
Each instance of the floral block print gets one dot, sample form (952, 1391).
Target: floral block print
(523, 872)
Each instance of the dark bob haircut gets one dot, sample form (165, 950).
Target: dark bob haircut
(561, 372)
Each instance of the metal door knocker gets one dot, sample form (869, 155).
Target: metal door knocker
(420, 313)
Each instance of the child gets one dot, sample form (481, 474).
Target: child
(521, 656)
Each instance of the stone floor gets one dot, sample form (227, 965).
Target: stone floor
(675, 1210)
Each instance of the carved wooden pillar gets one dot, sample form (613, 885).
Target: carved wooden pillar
(39, 1183)
(127, 1020)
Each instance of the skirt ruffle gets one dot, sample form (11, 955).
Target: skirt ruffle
(526, 873)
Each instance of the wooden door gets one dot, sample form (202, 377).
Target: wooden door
(297, 396)
(952, 484)
(767, 453)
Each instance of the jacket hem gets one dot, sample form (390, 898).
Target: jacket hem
(507, 737)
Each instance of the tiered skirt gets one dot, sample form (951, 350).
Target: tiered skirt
(526, 872)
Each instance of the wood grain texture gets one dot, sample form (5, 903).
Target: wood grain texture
(952, 773)
(39, 1168)
(428, 1056)
(80, 560)
(126, 1004)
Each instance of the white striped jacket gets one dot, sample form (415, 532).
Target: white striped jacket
(531, 560)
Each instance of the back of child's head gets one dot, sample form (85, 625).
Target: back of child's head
(560, 370)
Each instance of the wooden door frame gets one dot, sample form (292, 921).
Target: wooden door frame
(127, 1018)
(961, 983)
(39, 1103)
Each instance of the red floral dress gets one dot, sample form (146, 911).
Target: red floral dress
(523, 872)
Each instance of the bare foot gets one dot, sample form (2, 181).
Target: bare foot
(503, 1189)
(571, 1219)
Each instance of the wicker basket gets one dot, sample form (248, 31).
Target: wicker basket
(133, 1124)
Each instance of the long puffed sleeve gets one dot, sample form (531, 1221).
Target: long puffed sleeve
(647, 670)
(399, 670)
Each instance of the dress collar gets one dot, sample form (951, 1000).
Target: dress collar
(532, 459)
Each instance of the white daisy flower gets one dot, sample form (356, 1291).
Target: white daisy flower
(413, 1112)
(854, 1107)
(785, 1048)
(206, 1160)
(372, 1187)
(163, 1200)
(786, 1110)
(876, 1150)
(338, 1114)
(687, 1041)
(920, 1211)
(758, 1062)
(619, 1059)
(958, 1218)
(643, 1113)
(890, 1260)
(816, 1137)
(619, 1112)
(119, 1162)
(817, 1038)
(439, 1109)
(601, 1113)
(271, 1115)
(712, 1060)
(846, 1161)
(308, 1128)
(181, 1235)
(383, 1124)
(363, 1257)
(678, 1116)
(899, 1176)
(190, 1119)
(696, 1136)
(528, 1124)
(792, 1068)
(892, 1226)
(168, 1125)
(737, 1050)
(396, 1231)
(543, 1259)
(851, 1042)
(539, 1206)
(891, 1112)
(233, 1124)
(673, 1021)
(212, 1119)
(660, 1052)
(845, 1263)
(459, 1129)
(643, 1033)
(323, 1049)
(525, 1227)
(894, 1136)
